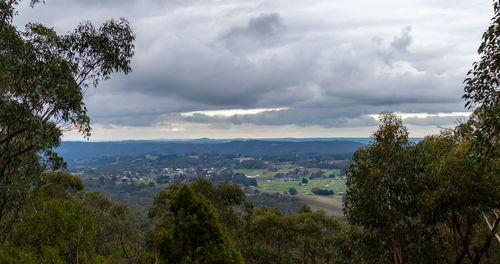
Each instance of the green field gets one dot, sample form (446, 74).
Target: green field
(283, 169)
(262, 173)
(248, 171)
(271, 174)
(335, 171)
(282, 186)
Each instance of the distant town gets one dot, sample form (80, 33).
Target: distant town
(254, 174)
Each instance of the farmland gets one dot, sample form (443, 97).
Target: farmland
(281, 186)
(135, 180)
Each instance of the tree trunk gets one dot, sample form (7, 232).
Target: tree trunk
(487, 242)
(397, 252)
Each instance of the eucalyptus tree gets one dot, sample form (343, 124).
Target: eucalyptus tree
(305, 237)
(383, 194)
(482, 95)
(43, 76)
(188, 230)
(457, 193)
(482, 92)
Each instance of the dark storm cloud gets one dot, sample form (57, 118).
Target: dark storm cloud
(264, 25)
(261, 31)
(330, 63)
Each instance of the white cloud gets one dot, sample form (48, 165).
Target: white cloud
(232, 112)
(428, 115)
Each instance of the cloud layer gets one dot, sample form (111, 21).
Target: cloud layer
(329, 63)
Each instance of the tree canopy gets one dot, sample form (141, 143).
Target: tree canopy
(43, 76)
(189, 232)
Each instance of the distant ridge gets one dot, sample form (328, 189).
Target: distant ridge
(363, 140)
(300, 147)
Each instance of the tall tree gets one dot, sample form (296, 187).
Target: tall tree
(189, 232)
(42, 79)
(383, 191)
(459, 192)
(482, 93)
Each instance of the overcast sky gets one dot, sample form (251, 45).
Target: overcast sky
(282, 68)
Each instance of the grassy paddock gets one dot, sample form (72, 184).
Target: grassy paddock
(331, 207)
(248, 171)
(282, 186)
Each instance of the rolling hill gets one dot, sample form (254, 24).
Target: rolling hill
(81, 150)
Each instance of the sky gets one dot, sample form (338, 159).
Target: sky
(282, 68)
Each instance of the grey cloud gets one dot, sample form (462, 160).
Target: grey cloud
(398, 48)
(403, 41)
(302, 117)
(329, 70)
(260, 31)
(434, 121)
(316, 116)
(262, 25)
(326, 77)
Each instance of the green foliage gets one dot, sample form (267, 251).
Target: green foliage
(305, 237)
(65, 180)
(64, 226)
(319, 191)
(482, 90)
(460, 195)
(286, 203)
(223, 197)
(42, 75)
(383, 193)
(19, 255)
(422, 204)
(189, 232)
